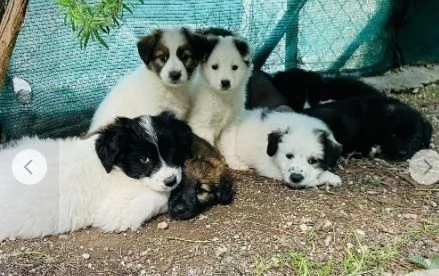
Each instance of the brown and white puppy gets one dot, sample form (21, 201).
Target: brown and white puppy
(170, 57)
(208, 182)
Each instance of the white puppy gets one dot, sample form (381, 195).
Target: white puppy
(218, 94)
(288, 146)
(114, 180)
(170, 57)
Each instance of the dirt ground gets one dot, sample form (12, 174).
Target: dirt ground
(375, 222)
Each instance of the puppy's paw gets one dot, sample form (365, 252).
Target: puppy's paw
(329, 178)
(236, 164)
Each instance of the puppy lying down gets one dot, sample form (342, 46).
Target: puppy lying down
(376, 125)
(114, 180)
(208, 182)
(295, 148)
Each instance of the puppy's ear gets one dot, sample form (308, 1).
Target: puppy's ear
(147, 44)
(332, 149)
(111, 142)
(243, 48)
(274, 138)
(200, 44)
(428, 130)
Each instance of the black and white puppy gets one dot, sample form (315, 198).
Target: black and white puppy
(303, 89)
(370, 124)
(170, 57)
(295, 148)
(115, 179)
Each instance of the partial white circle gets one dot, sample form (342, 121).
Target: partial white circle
(29, 167)
(424, 167)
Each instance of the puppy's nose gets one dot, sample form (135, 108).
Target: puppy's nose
(296, 178)
(225, 84)
(179, 209)
(170, 181)
(174, 75)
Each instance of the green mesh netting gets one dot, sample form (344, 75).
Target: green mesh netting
(350, 36)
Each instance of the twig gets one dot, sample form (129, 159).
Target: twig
(428, 190)
(181, 239)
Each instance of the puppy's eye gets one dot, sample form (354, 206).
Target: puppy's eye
(163, 58)
(312, 161)
(289, 155)
(144, 160)
(215, 67)
(235, 67)
(185, 57)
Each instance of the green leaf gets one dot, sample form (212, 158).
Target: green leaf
(434, 262)
(100, 39)
(418, 260)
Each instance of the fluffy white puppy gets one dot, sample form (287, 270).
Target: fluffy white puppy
(218, 92)
(114, 180)
(170, 57)
(288, 146)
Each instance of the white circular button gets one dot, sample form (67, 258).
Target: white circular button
(424, 167)
(29, 167)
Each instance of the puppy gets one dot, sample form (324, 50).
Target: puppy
(262, 93)
(303, 89)
(295, 148)
(373, 125)
(218, 93)
(207, 182)
(114, 180)
(170, 57)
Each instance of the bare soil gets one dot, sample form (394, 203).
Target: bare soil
(377, 219)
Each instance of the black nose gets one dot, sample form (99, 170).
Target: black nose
(170, 181)
(174, 75)
(296, 178)
(179, 209)
(225, 84)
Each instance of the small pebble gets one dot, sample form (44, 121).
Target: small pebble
(86, 256)
(162, 225)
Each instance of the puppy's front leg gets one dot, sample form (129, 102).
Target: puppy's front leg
(128, 207)
(329, 178)
(227, 147)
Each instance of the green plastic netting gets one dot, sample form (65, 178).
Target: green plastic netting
(347, 36)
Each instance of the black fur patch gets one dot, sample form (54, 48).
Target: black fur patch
(147, 45)
(243, 49)
(331, 151)
(363, 122)
(215, 31)
(274, 138)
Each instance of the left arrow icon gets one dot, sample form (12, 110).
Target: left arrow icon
(26, 166)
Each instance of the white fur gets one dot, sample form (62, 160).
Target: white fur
(215, 112)
(77, 192)
(145, 92)
(298, 138)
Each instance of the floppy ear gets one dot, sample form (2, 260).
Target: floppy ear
(111, 142)
(332, 149)
(274, 138)
(428, 130)
(243, 49)
(147, 44)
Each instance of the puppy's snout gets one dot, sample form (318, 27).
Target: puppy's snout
(225, 84)
(179, 209)
(170, 181)
(175, 75)
(296, 178)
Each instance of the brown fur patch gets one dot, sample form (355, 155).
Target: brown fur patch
(147, 44)
(160, 56)
(205, 168)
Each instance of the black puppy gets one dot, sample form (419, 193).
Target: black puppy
(363, 123)
(303, 89)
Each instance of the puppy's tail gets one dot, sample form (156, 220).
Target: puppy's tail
(225, 192)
